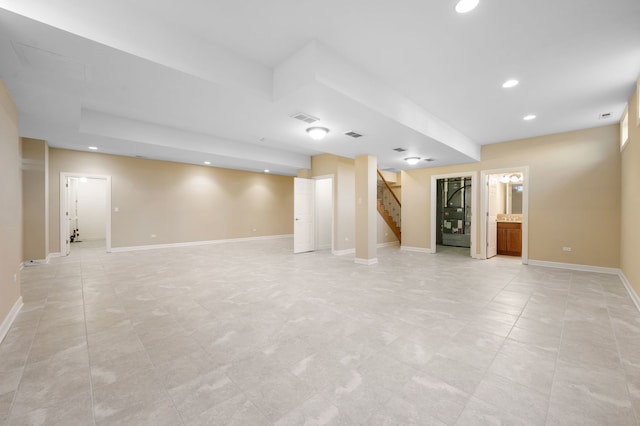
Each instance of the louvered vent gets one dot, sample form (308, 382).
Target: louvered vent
(353, 134)
(399, 149)
(305, 117)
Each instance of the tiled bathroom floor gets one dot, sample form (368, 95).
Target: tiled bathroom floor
(249, 334)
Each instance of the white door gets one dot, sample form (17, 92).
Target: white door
(68, 218)
(492, 217)
(303, 215)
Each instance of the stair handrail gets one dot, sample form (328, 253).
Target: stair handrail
(389, 188)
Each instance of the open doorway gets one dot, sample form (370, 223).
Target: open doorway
(313, 214)
(85, 211)
(505, 206)
(324, 213)
(453, 209)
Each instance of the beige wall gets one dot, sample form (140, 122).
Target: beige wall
(177, 202)
(10, 205)
(367, 215)
(630, 201)
(34, 199)
(574, 195)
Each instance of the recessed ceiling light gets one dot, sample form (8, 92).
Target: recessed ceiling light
(93, 148)
(317, 133)
(510, 83)
(465, 6)
(207, 162)
(529, 117)
(412, 161)
(266, 170)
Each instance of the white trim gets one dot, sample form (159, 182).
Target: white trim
(484, 174)
(418, 249)
(474, 206)
(343, 252)
(574, 267)
(63, 194)
(630, 290)
(35, 262)
(388, 244)
(197, 243)
(52, 255)
(10, 318)
(366, 262)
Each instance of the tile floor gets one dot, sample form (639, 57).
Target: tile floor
(249, 334)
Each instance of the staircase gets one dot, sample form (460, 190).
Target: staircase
(389, 206)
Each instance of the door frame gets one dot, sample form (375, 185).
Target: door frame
(333, 192)
(484, 175)
(474, 207)
(64, 223)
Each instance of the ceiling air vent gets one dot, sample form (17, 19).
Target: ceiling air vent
(604, 116)
(353, 134)
(429, 159)
(399, 149)
(305, 117)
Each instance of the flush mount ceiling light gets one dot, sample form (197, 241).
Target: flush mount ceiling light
(266, 170)
(207, 162)
(465, 6)
(317, 133)
(412, 161)
(93, 148)
(510, 83)
(529, 117)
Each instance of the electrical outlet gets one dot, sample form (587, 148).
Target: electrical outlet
(566, 248)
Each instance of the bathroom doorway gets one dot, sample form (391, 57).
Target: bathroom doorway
(505, 204)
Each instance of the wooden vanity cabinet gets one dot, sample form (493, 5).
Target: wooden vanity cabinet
(510, 238)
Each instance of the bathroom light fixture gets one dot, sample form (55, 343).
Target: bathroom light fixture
(510, 83)
(207, 162)
(514, 178)
(266, 170)
(93, 148)
(412, 161)
(529, 117)
(317, 133)
(465, 6)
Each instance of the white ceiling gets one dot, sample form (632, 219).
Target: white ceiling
(217, 80)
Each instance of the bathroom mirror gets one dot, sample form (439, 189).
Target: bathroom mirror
(514, 198)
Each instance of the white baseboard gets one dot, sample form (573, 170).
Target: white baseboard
(630, 290)
(417, 249)
(52, 255)
(11, 316)
(197, 243)
(35, 262)
(344, 252)
(367, 262)
(388, 244)
(574, 267)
